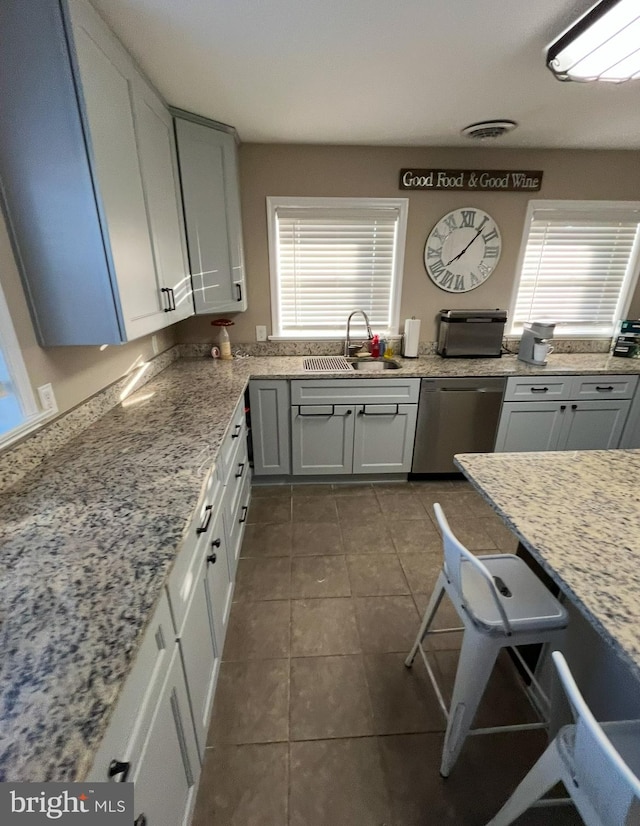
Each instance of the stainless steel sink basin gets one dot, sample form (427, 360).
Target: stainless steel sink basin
(372, 365)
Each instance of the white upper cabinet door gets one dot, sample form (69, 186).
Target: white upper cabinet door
(210, 191)
(154, 127)
(107, 93)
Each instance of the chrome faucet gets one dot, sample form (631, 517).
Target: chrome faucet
(369, 333)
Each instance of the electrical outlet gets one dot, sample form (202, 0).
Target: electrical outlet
(261, 333)
(47, 398)
(154, 345)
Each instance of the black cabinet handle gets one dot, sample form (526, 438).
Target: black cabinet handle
(215, 543)
(172, 296)
(240, 469)
(141, 820)
(243, 518)
(239, 292)
(211, 559)
(563, 407)
(168, 308)
(363, 412)
(574, 406)
(236, 431)
(207, 519)
(539, 389)
(117, 767)
(607, 389)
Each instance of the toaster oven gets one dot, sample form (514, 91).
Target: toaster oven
(471, 333)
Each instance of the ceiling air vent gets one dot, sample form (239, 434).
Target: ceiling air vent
(488, 129)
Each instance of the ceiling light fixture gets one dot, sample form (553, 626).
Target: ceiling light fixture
(604, 44)
(488, 129)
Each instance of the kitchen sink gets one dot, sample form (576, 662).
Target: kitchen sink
(373, 365)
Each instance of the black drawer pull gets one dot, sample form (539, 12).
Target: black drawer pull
(364, 412)
(215, 543)
(168, 308)
(141, 820)
(240, 470)
(236, 431)
(539, 389)
(211, 559)
(563, 407)
(607, 389)
(207, 519)
(243, 518)
(239, 292)
(172, 296)
(118, 767)
(574, 406)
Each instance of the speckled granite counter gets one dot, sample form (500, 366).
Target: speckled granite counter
(578, 513)
(89, 536)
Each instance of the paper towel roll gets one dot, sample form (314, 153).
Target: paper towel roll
(411, 340)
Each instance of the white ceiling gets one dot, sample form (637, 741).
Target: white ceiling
(385, 72)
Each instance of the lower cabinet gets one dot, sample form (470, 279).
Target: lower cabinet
(269, 400)
(150, 739)
(353, 426)
(575, 423)
(168, 769)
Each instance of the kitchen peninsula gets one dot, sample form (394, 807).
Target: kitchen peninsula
(578, 515)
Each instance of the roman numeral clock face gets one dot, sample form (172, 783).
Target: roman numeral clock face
(462, 250)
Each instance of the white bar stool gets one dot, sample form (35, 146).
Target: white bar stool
(599, 766)
(501, 603)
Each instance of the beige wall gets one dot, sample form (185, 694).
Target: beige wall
(360, 171)
(75, 372)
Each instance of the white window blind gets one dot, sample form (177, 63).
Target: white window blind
(579, 265)
(332, 256)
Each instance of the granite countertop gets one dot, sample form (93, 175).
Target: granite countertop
(578, 513)
(89, 536)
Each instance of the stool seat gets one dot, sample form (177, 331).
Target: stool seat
(527, 603)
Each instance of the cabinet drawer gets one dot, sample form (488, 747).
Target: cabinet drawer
(133, 714)
(546, 388)
(603, 387)
(236, 432)
(203, 526)
(352, 391)
(234, 522)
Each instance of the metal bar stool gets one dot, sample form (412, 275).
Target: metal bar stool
(501, 604)
(599, 766)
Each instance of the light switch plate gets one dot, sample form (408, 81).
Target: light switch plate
(261, 333)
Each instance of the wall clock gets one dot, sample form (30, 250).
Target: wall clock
(462, 250)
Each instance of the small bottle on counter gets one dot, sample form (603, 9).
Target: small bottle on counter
(375, 347)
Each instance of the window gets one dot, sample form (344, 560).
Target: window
(329, 256)
(578, 267)
(18, 410)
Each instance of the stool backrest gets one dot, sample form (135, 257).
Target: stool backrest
(611, 787)
(455, 554)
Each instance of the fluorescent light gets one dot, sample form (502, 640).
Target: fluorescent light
(603, 45)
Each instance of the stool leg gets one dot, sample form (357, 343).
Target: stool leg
(543, 776)
(477, 659)
(429, 614)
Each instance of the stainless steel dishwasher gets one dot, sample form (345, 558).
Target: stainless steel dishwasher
(457, 415)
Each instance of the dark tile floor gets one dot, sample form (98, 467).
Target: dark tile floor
(316, 721)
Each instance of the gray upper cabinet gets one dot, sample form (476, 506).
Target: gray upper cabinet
(211, 197)
(89, 179)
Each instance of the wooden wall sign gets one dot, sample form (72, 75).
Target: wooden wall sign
(469, 180)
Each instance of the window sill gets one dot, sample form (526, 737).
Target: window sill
(32, 423)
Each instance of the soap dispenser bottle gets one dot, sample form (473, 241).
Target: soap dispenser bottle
(375, 347)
